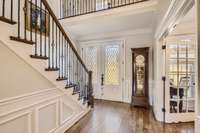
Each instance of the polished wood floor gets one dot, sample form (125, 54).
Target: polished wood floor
(112, 117)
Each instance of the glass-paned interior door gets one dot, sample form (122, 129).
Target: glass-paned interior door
(104, 60)
(181, 80)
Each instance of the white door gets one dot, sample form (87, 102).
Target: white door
(180, 78)
(105, 62)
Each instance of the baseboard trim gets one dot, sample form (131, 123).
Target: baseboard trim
(69, 124)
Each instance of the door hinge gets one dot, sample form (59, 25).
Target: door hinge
(163, 110)
(163, 47)
(163, 78)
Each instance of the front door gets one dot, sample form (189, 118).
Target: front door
(104, 60)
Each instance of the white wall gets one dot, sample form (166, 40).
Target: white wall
(166, 19)
(137, 41)
(130, 41)
(157, 100)
(197, 121)
(17, 77)
(157, 76)
(28, 95)
(55, 6)
(161, 9)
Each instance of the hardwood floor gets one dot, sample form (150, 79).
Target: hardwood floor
(112, 117)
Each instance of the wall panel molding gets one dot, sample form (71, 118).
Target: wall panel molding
(46, 111)
(37, 111)
(10, 119)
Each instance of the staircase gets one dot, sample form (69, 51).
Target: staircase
(35, 34)
(50, 42)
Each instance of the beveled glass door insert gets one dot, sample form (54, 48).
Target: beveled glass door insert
(111, 67)
(104, 60)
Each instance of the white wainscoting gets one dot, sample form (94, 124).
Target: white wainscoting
(47, 111)
(44, 123)
(20, 123)
(197, 124)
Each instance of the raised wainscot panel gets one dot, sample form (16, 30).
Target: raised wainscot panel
(66, 113)
(47, 117)
(17, 123)
(197, 124)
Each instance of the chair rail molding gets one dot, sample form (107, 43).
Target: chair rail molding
(176, 10)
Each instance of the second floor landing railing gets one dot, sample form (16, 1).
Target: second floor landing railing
(71, 8)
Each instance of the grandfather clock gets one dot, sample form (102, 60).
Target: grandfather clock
(140, 72)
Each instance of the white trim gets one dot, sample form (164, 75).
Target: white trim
(37, 109)
(15, 99)
(71, 122)
(61, 113)
(100, 42)
(124, 71)
(26, 113)
(111, 35)
(28, 106)
(176, 10)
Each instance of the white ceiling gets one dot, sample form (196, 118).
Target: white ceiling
(112, 23)
(187, 24)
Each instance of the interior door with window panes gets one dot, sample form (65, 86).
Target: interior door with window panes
(180, 74)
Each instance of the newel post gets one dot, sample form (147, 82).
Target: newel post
(90, 91)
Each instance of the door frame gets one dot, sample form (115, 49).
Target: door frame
(122, 66)
(177, 117)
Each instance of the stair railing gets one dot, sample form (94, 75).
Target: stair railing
(71, 8)
(37, 25)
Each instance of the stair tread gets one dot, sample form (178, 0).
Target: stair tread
(69, 86)
(51, 69)
(77, 92)
(39, 57)
(21, 40)
(61, 78)
(6, 20)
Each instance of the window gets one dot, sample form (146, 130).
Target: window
(112, 65)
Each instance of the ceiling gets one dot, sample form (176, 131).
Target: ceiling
(186, 25)
(105, 24)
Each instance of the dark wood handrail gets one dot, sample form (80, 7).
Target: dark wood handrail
(47, 6)
(78, 10)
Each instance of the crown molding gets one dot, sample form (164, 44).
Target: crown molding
(120, 34)
(177, 10)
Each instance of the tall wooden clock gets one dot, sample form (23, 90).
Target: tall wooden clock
(140, 74)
